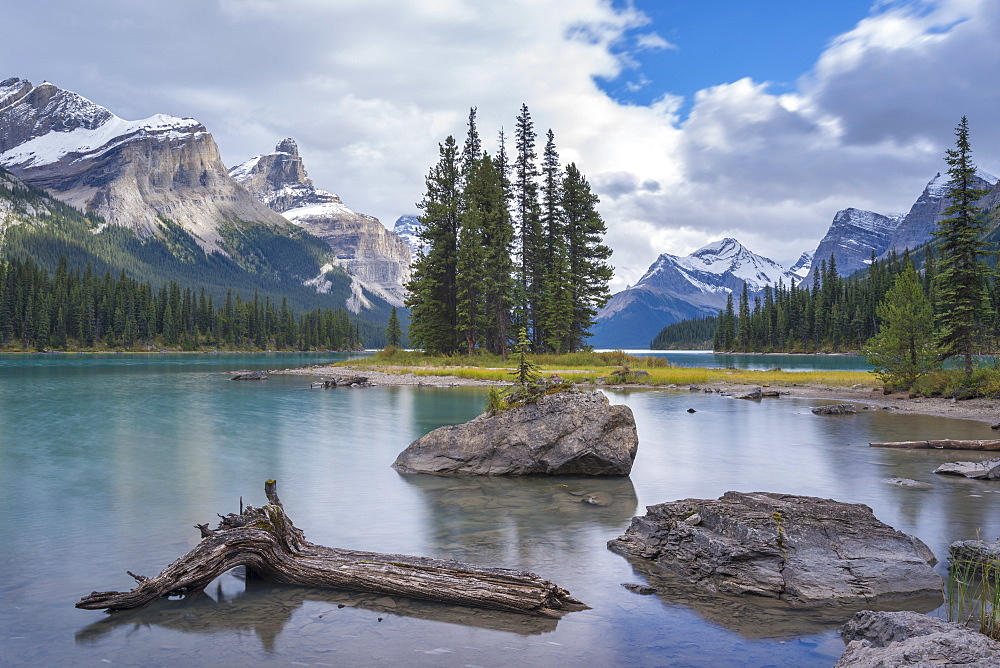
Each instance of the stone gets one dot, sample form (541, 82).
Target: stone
(645, 590)
(984, 470)
(803, 550)
(911, 639)
(752, 393)
(976, 553)
(907, 482)
(835, 409)
(568, 433)
(250, 375)
(691, 410)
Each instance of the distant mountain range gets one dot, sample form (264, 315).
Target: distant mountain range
(678, 288)
(675, 289)
(159, 201)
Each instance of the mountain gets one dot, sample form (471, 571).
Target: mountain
(377, 258)
(921, 220)
(152, 197)
(408, 228)
(677, 288)
(802, 265)
(853, 236)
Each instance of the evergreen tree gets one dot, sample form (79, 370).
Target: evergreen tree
(433, 287)
(961, 285)
(904, 348)
(589, 272)
(527, 214)
(551, 270)
(393, 332)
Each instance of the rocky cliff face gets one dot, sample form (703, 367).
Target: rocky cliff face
(918, 224)
(130, 172)
(852, 238)
(377, 258)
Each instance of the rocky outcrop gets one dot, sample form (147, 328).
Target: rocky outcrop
(882, 639)
(569, 433)
(133, 173)
(835, 409)
(377, 258)
(804, 550)
(984, 470)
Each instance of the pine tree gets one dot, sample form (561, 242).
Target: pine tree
(961, 284)
(433, 288)
(589, 272)
(527, 214)
(555, 303)
(393, 332)
(904, 349)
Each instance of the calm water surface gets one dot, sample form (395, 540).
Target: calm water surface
(107, 462)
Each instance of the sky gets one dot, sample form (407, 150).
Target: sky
(693, 119)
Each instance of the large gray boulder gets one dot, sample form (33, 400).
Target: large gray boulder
(984, 470)
(882, 639)
(800, 549)
(569, 433)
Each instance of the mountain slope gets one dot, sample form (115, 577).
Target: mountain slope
(853, 236)
(375, 256)
(677, 288)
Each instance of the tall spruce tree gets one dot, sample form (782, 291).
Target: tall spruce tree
(393, 332)
(527, 215)
(589, 272)
(551, 270)
(433, 286)
(962, 276)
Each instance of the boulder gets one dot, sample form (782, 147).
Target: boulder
(977, 555)
(835, 409)
(752, 393)
(569, 433)
(984, 470)
(250, 375)
(912, 639)
(800, 549)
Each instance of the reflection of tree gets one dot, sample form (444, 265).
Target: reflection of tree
(480, 518)
(756, 617)
(266, 609)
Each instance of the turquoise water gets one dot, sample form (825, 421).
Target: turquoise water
(107, 462)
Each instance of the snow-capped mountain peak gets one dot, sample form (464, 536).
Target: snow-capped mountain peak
(721, 266)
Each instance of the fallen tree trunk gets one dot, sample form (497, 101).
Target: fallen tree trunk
(946, 444)
(268, 544)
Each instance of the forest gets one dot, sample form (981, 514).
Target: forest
(72, 309)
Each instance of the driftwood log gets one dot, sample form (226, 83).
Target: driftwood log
(272, 548)
(946, 444)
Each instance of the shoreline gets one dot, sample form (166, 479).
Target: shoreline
(980, 409)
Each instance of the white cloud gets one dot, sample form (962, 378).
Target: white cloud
(369, 87)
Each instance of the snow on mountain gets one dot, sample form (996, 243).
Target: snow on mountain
(676, 288)
(853, 237)
(939, 184)
(802, 265)
(376, 258)
(408, 228)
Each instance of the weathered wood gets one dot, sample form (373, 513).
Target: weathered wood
(945, 444)
(268, 544)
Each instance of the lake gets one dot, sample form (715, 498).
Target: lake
(108, 461)
(708, 359)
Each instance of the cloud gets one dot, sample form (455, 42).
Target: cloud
(369, 87)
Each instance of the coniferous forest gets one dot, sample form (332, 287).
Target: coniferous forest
(73, 309)
(512, 245)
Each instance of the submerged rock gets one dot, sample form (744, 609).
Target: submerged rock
(835, 409)
(984, 470)
(250, 375)
(800, 549)
(569, 433)
(752, 393)
(912, 639)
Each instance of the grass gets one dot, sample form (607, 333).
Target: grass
(588, 367)
(973, 594)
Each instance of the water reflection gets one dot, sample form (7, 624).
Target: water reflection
(267, 610)
(756, 617)
(473, 516)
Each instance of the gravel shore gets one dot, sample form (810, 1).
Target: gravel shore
(981, 409)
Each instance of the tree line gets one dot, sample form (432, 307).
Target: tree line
(907, 322)
(74, 309)
(511, 246)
